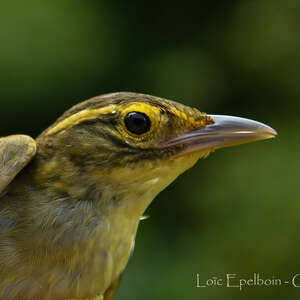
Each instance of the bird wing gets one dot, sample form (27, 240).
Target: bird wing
(16, 151)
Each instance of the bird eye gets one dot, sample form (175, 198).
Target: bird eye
(137, 122)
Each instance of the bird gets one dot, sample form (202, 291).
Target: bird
(71, 200)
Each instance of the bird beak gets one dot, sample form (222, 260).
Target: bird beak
(225, 132)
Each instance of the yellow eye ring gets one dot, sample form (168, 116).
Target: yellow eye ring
(146, 113)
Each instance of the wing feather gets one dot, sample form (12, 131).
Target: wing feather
(16, 151)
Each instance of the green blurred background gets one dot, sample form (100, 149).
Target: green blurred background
(235, 212)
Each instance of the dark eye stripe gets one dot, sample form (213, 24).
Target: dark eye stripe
(137, 122)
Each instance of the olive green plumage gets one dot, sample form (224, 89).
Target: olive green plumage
(68, 219)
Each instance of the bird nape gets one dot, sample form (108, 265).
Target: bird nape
(72, 199)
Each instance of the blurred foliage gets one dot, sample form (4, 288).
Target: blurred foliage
(238, 210)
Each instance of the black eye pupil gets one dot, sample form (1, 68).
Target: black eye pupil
(137, 122)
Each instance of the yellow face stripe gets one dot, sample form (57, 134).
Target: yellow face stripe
(80, 117)
(190, 118)
(152, 111)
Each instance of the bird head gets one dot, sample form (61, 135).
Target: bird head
(139, 142)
